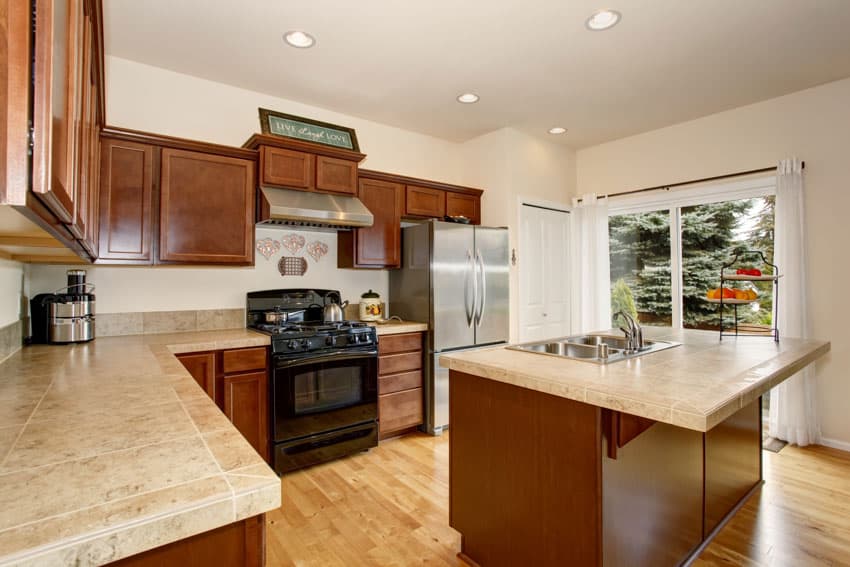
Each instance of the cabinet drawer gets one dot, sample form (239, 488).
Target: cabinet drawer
(398, 382)
(244, 359)
(392, 344)
(400, 410)
(425, 202)
(395, 363)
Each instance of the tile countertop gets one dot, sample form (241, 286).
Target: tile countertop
(110, 448)
(397, 327)
(695, 385)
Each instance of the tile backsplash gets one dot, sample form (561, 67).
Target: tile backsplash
(11, 339)
(153, 322)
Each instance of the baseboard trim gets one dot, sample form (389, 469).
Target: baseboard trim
(835, 444)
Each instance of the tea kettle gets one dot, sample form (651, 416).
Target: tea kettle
(333, 310)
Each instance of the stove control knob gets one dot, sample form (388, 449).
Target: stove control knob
(292, 345)
(305, 344)
(329, 341)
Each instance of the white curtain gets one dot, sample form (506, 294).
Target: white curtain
(590, 272)
(793, 416)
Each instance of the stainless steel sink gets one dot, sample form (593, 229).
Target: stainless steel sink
(601, 349)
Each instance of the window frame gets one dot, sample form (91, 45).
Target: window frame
(675, 200)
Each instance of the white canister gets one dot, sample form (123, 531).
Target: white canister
(371, 307)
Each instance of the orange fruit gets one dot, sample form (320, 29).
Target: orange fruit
(741, 294)
(728, 293)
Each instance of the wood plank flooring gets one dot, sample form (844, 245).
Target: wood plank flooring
(389, 507)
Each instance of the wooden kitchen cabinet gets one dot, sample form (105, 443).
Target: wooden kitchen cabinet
(126, 202)
(14, 111)
(237, 381)
(425, 202)
(305, 166)
(378, 246)
(201, 366)
(280, 167)
(197, 198)
(400, 401)
(206, 208)
(246, 406)
(459, 204)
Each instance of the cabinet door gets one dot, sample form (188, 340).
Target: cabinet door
(56, 104)
(469, 206)
(80, 225)
(126, 201)
(202, 368)
(425, 202)
(378, 246)
(336, 175)
(206, 208)
(287, 168)
(14, 110)
(245, 404)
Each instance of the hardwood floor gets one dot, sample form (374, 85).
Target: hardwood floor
(389, 507)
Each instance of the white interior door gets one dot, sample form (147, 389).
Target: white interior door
(544, 287)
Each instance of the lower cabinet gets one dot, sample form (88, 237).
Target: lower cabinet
(237, 380)
(400, 403)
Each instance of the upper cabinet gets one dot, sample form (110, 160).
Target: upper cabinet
(206, 212)
(14, 112)
(391, 198)
(378, 246)
(425, 202)
(198, 198)
(305, 166)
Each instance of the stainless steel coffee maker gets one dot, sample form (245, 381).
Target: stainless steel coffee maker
(65, 316)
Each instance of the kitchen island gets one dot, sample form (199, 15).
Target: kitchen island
(109, 449)
(561, 462)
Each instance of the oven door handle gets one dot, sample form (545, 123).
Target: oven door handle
(329, 357)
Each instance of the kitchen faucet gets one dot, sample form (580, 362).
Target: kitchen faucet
(634, 334)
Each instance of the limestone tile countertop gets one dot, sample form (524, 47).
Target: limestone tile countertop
(695, 385)
(110, 448)
(394, 327)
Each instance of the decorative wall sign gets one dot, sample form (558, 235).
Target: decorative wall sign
(317, 249)
(293, 242)
(299, 128)
(292, 266)
(268, 247)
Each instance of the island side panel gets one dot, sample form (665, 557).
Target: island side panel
(652, 494)
(732, 463)
(524, 475)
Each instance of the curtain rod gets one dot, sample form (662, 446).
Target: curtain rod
(703, 180)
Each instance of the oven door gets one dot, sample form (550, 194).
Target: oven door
(321, 393)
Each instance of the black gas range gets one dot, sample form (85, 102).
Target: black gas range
(323, 394)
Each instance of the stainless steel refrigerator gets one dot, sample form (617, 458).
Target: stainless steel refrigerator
(455, 277)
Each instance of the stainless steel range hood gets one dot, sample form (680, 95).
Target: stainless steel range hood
(315, 211)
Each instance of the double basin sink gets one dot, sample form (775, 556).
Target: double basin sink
(601, 349)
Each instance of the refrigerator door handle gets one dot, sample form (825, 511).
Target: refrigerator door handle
(482, 282)
(470, 272)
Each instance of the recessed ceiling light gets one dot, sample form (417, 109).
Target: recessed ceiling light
(468, 98)
(299, 39)
(557, 130)
(602, 20)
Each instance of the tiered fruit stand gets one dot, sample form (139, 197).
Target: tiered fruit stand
(737, 328)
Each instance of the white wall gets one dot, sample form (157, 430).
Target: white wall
(156, 100)
(11, 290)
(515, 168)
(131, 289)
(813, 125)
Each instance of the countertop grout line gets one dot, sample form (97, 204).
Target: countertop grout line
(212, 456)
(116, 500)
(112, 452)
(26, 423)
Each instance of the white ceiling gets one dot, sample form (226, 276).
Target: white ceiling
(403, 62)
